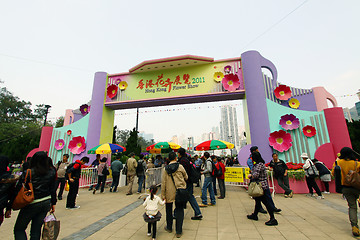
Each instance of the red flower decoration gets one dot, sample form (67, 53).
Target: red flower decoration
(231, 82)
(280, 140)
(309, 131)
(282, 92)
(68, 132)
(112, 91)
(77, 145)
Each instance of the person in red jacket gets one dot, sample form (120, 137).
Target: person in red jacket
(221, 179)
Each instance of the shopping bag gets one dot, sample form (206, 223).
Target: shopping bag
(255, 189)
(66, 186)
(51, 227)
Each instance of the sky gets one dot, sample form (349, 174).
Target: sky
(49, 51)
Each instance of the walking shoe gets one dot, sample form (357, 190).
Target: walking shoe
(168, 230)
(272, 222)
(60, 198)
(129, 194)
(94, 191)
(198, 217)
(263, 211)
(202, 205)
(291, 194)
(252, 217)
(211, 204)
(286, 196)
(277, 210)
(355, 231)
(178, 235)
(310, 195)
(220, 197)
(325, 192)
(110, 189)
(149, 234)
(320, 197)
(75, 207)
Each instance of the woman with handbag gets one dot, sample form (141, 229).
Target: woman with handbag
(42, 177)
(103, 171)
(311, 173)
(324, 174)
(173, 189)
(347, 162)
(258, 174)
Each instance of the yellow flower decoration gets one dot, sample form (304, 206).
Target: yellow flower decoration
(294, 103)
(123, 85)
(218, 76)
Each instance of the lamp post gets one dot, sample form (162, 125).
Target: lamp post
(46, 113)
(230, 139)
(189, 148)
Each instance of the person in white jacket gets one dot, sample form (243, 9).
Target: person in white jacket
(310, 173)
(152, 214)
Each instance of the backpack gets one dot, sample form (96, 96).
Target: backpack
(105, 171)
(58, 165)
(194, 174)
(140, 167)
(216, 172)
(68, 170)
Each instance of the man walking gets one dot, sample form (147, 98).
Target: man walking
(198, 163)
(94, 177)
(73, 172)
(116, 167)
(207, 183)
(131, 165)
(280, 174)
(61, 167)
(140, 172)
(184, 161)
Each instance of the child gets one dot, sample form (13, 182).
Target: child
(152, 214)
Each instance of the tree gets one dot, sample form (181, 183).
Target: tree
(122, 136)
(20, 128)
(132, 143)
(59, 122)
(354, 132)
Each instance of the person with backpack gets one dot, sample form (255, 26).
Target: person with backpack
(116, 167)
(131, 165)
(324, 174)
(73, 173)
(311, 173)
(103, 172)
(207, 183)
(140, 172)
(347, 162)
(219, 171)
(280, 174)
(61, 167)
(193, 177)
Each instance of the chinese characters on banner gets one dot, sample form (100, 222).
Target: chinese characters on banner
(163, 84)
(234, 174)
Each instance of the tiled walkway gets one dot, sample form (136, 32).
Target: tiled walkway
(116, 216)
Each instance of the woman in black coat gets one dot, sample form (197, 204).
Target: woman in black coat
(7, 184)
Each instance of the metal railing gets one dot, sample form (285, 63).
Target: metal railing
(89, 177)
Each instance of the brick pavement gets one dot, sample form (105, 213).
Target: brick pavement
(114, 216)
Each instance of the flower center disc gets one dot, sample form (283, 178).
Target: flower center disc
(113, 91)
(282, 93)
(79, 145)
(230, 82)
(308, 131)
(279, 140)
(288, 122)
(60, 144)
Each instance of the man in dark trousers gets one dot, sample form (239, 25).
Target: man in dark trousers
(94, 177)
(184, 161)
(61, 167)
(116, 167)
(73, 173)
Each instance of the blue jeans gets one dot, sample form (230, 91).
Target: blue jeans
(35, 213)
(207, 185)
(192, 200)
(141, 182)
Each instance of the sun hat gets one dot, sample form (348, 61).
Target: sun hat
(304, 155)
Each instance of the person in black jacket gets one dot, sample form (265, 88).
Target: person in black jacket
(43, 178)
(324, 174)
(73, 173)
(7, 184)
(280, 171)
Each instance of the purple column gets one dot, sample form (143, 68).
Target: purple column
(96, 111)
(252, 62)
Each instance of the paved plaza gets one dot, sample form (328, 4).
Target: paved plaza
(114, 216)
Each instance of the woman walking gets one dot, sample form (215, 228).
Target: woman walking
(311, 173)
(258, 173)
(43, 179)
(347, 162)
(101, 175)
(324, 174)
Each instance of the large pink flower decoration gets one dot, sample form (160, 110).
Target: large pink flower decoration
(77, 145)
(309, 131)
(84, 109)
(231, 82)
(280, 140)
(282, 92)
(112, 91)
(289, 122)
(59, 144)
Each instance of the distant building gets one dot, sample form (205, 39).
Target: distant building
(175, 139)
(146, 136)
(353, 114)
(229, 130)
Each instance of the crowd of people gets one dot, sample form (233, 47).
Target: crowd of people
(181, 173)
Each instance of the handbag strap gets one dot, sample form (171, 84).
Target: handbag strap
(26, 176)
(173, 181)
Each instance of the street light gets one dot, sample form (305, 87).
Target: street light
(189, 148)
(46, 113)
(230, 139)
